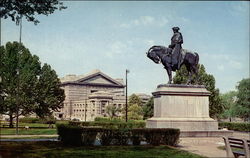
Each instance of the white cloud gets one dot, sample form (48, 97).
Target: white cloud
(117, 47)
(227, 60)
(145, 21)
(235, 64)
(221, 67)
(150, 42)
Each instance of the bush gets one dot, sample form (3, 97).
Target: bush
(112, 124)
(29, 120)
(157, 136)
(121, 136)
(75, 135)
(244, 127)
(69, 135)
(106, 136)
(47, 120)
(89, 135)
(86, 135)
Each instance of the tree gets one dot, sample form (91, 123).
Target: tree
(148, 109)
(134, 99)
(112, 111)
(50, 95)
(243, 99)
(15, 9)
(135, 112)
(215, 101)
(22, 87)
(229, 102)
(1, 84)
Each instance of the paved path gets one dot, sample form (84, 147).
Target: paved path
(208, 146)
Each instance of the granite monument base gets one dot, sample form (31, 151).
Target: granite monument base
(185, 107)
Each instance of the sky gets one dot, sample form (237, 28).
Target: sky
(113, 36)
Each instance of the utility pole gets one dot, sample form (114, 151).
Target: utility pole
(127, 71)
(18, 74)
(85, 112)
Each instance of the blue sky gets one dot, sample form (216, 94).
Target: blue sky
(114, 36)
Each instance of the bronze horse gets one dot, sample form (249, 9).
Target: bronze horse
(164, 55)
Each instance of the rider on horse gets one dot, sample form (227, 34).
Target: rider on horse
(176, 42)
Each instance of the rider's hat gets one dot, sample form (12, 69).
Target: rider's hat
(175, 28)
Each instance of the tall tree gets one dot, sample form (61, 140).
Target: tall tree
(21, 83)
(229, 102)
(148, 109)
(50, 96)
(15, 9)
(135, 112)
(243, 99)
(112, 111)
(134, 99)
(1, 84)
(215, 101)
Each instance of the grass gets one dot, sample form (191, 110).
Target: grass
(56, 149)
(35, 131)
(25, 137)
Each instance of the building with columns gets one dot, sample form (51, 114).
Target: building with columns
(87, 96)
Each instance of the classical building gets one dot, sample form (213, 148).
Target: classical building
(87, 96)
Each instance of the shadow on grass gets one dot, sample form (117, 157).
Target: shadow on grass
(56, 149)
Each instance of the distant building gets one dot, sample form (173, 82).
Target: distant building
(88, 95)
(144, 97)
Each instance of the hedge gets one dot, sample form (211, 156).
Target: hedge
(37, 120)
(77, 135)
(244, 127)
(111, 124)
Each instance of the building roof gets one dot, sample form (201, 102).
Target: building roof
(95, 77)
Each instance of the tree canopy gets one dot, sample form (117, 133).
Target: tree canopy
(243, 99)
(15, 9)
(148, 109)
(134, 99)
(208, 80)
(229, 102)
(26, 87)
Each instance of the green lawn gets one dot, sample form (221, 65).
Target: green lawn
(35, 131)
(56, 149)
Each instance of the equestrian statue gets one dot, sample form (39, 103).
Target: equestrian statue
(173, 56)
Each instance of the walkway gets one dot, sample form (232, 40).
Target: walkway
(208, 146)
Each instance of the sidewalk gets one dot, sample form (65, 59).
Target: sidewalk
(208, 146)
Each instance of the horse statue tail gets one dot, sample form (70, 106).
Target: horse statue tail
(196, 58)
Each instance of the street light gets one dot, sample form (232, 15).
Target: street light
(127, 71)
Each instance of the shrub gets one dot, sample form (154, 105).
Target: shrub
(89, 135)
(244, 127)
(86, 135)
(157, 136)
(29, 120)
(137, 136)
(121, 136)
(70, 135)
(171, 137)
(112, 124)
(76, 135)
(106, 136)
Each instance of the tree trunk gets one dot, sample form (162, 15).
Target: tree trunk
(11, 121)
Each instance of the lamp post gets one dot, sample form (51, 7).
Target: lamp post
(127, 71)
(18, 75)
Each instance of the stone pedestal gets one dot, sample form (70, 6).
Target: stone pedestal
(182, 106)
